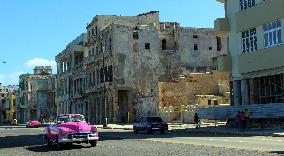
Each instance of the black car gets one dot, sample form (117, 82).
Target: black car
(150, 125)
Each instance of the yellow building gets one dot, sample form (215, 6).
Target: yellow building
(10, 112)
(255, 51)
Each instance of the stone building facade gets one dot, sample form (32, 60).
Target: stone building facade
(70, 79)
(125, 57)
(36, 95)
(7, 103)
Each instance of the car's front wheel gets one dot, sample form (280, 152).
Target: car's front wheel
(48, 142)
(162, 131)
(58, 144)
(93, 143)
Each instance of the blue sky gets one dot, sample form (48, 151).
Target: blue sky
(33, 32)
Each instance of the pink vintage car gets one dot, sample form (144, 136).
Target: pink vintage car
(71, 128)
(33, 123)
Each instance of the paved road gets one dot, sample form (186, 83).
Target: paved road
(23, 141)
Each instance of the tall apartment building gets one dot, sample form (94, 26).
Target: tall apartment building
(36, 95)
(70, 84)
(255, 51)
(7, 103)
(122, 60)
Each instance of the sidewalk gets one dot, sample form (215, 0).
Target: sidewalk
(208, 128)
(273, 132)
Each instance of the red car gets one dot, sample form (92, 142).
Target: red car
(33, 123)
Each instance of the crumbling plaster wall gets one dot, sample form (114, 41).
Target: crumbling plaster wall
(137, 67)
(205, 39)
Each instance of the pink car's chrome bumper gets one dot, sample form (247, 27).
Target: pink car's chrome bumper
(74, 138)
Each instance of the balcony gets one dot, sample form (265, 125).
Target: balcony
(222, 27)
(259, 14)
(262, 59)
(224, 63)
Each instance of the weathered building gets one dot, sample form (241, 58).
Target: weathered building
(70, 84)
(8, 102)
(179, 98)
(255, 53)
(128, 55)
(36, 95)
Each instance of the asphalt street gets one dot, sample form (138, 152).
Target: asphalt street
(28, 141)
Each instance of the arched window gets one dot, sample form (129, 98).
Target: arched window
(164, 44)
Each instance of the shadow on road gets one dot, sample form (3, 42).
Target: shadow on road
(21, 141)
(277, 152)
(43, 148)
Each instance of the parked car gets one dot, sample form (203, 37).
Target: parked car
(71, 128)
(150, 125)
(33, 123)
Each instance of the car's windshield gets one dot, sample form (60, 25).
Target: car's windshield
(73, 118)
(154, 119)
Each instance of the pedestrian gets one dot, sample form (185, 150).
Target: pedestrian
(243, 121)
(238, 121)
(196, 121)
(247, 114)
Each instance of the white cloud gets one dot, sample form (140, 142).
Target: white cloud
(40, 62)
(12, 79)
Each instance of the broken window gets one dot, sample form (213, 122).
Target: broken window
(195, 47)
(109, 44)
(93, 51)
(109, 70)
(97, 50)
(101, 48)
(105, 74)
(195, 36)
(135, 35)
(102, 75)
(209, 101)
(215, 102)
(164, 44)
(219, 44)
(93, 32)
(147, 45)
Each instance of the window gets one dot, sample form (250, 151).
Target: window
(195, 47)
(195, 36)
(102, 75)
(135, 35)
(272, 34)
(101, 48)
(249, 40)
(219, 43)
(109, 44)
(93, 32)
(164, 44)
(245, 4)
(93, 51)
(210, 48)
(147, 45)
(209, 101)
(97, 50)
